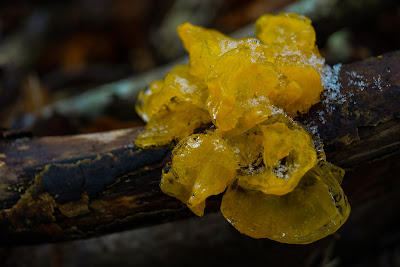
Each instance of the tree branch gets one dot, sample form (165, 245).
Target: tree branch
(63, 188)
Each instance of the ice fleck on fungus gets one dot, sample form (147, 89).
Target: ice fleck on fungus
(229, 112)
(288, 153)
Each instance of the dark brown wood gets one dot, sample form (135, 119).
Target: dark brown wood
(63, 188)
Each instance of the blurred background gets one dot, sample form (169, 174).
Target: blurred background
(69, 67)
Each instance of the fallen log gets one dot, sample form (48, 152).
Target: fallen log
(63, 188)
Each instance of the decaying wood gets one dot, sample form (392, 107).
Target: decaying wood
(62, 188)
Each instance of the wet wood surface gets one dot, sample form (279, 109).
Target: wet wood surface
(63, 188)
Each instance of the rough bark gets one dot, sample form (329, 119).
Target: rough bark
(63, 188)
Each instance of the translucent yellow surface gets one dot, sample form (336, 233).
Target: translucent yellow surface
(170, 185)
(302, 85)
(228, 112)
(317, 207)
(239, 87)
(162, 96)
(203, 165)
(248, 147)
(288, 154)
(204, 47)
(144, 105)
(172, 126)
(287, 31)
(240, 83)
(174, 108)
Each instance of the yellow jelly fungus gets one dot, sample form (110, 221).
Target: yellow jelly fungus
(204, 47)
(195, 168)
(228, 112)
(248, 146)
(145, 100)
(171, 186)
(173, 107)
(286, 32)
(302, 87)
(240, 91)
(172, 126)
(288, 154)
(316, 208)
(178, 87)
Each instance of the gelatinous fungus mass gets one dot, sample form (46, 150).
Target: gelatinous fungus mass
(229, 112)
(316, 208)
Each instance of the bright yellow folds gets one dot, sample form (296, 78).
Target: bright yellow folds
(202, 165)
(316, 208)
(228, 112)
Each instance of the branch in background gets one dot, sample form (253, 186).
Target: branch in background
(62, 188)
(91, 103)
